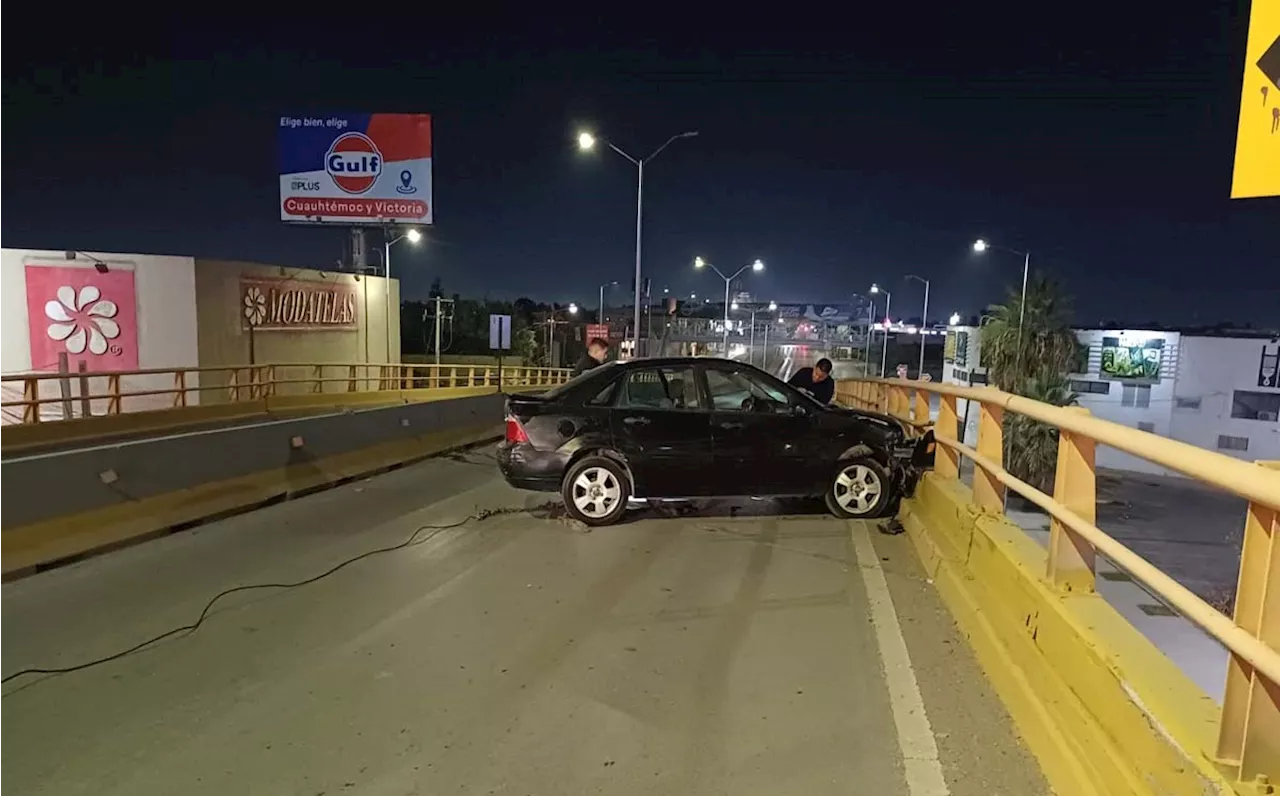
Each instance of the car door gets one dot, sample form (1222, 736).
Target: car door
(762, 443)
(660, 422)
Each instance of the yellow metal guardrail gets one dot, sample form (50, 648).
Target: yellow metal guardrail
(1249, 729)
(50, 397)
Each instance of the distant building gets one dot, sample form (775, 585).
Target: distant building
(1221, 393)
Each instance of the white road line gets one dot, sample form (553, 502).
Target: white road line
(915, 736)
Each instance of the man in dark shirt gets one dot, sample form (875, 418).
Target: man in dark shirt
(816, 381)
(597, 353)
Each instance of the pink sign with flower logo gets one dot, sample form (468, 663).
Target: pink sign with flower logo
(91, 316)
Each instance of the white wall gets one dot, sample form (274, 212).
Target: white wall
(166, 317)
(1111, 405)
(1211, 369)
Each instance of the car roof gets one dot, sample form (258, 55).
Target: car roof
(652, 362)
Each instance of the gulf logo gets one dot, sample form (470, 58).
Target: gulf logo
(354, 162)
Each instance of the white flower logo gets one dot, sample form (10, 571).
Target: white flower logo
(255, 306)
(83, 319)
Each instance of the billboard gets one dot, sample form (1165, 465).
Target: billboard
(92, 316)
(357, 169)
(1131, 361)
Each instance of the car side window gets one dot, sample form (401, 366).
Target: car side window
(737, 391)
(606, 395)
(660, 388)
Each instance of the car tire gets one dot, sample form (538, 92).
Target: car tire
(860, 489)
(595, 491)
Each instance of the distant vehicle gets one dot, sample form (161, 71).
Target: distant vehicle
(696, 428)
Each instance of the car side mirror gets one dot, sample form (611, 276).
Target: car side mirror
(799, 410)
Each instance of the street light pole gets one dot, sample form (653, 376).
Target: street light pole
(924, 321)
(773, 306)
(866, 357)
(413, 236)
(888, 302)
(600, 319)
(587, 141)
(980, 246)
(758, 265)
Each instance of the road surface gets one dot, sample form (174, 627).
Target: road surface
(725, 650)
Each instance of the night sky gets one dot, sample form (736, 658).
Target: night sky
(841, 149)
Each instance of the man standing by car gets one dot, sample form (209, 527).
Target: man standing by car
(597, 353)
(816, 381)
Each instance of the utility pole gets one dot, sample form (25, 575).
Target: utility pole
(438, 302)
(552, 322)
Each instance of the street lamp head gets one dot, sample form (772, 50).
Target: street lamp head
(688, 134)
(875, 288)
(698, 262)
(773, 306)
(414, 236)
(757, 266)
(955, 319)
(980, 245)
(573, 308)
(586, 141)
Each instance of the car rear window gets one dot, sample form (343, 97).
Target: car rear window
(569, 386)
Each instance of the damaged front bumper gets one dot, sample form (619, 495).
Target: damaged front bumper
(913, 456)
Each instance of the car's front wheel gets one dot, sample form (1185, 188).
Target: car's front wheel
(595, 491)
(861, 489)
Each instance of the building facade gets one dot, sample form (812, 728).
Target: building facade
(127, 314)
(1215, 392)
(1226, 397)
(1127, 376)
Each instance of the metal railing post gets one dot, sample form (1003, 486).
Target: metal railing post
(1071, 559)
(988, 492)
(946, 462)
(1250, 724)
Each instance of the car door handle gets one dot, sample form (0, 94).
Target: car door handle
(636, 421)
(732, 425)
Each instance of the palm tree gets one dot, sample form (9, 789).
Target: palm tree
(1033, 364)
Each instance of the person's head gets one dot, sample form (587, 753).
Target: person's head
(822, 370)
(902, 371)
(598, 349)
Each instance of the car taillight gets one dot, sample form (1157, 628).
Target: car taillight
(515, 432)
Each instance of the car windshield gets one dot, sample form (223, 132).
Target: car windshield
(795, 393)
(559, 390)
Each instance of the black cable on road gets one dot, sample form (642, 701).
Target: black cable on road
(414, 538)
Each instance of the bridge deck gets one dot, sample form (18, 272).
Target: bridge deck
(727, 650)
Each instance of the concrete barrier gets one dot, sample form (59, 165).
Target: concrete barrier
(27, 437)
(59, 505)
(1101, 708)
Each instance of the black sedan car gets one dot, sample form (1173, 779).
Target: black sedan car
(698, 428)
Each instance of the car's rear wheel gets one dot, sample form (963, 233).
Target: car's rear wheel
(595, 491)
(860, 489)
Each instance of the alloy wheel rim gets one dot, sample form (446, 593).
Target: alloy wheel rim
(857, 488)
(596, 492)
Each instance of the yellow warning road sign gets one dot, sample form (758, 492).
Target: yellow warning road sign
(1257, 167)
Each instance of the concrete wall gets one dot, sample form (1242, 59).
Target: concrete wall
(1211, 370)
(1102, 709)
(165, 300)
(225, 340)
(1158, 394)
(46, 486)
